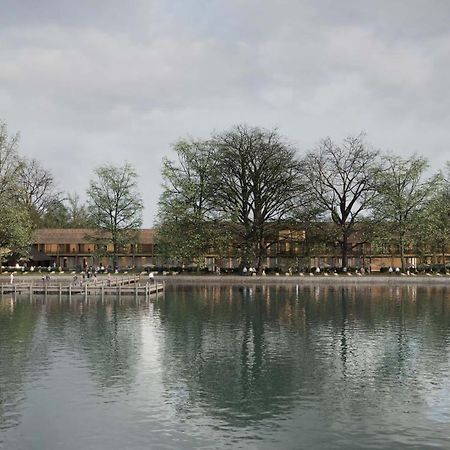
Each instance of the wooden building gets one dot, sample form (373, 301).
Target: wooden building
(293, 248)
(79, 248)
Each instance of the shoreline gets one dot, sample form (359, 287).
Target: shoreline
(443, 280)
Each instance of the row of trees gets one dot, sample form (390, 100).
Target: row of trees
(234, 192)
(29, 199)
(239, 188)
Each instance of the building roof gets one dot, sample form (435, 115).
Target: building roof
(80, 236)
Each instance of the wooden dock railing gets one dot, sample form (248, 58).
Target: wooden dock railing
(87, 288)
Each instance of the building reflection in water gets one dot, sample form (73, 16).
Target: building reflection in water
(238, 354)
(248, 347)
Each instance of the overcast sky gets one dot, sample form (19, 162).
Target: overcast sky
(89, 82)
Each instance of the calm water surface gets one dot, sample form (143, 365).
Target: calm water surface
(271, 367)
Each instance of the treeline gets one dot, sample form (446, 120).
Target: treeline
(30, 199)
(233, 193)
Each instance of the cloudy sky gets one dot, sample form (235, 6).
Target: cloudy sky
(98, 81)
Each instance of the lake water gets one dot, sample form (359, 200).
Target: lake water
(256, 367)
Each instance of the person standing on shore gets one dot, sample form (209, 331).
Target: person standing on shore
(11, 279)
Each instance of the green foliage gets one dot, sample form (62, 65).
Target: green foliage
(188, 240)
(10, 165)
(15, 230)
(403, 193)
(66, 213)
(244, 179)
(78, 213)
(189, 182)
(434, 219)
(56, 216)
(115, 205)
(15, 223)
(186, 231)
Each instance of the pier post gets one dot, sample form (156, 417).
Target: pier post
(2, 289)
(70, 292)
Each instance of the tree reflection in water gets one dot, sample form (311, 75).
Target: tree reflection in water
(216, 361)
(253, 352)
(17, 326)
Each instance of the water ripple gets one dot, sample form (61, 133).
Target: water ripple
(218, 367)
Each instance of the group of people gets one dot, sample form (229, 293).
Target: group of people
(248, 272)
(396, 271)
(82, 279)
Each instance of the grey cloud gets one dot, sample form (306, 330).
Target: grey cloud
(88, 82)
(89, 14)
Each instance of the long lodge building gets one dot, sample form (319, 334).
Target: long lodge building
(71, 249)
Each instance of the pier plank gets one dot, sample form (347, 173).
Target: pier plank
(104, 287)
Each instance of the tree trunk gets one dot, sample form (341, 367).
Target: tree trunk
(402, 254)
(344, 250)
(116, 251)
(261, 254)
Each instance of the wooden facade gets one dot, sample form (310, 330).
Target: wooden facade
(76, 249)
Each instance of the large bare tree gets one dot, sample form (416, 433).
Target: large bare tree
(341, 180)
(255, 186)
(38, 191)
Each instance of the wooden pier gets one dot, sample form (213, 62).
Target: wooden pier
(125, 286)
